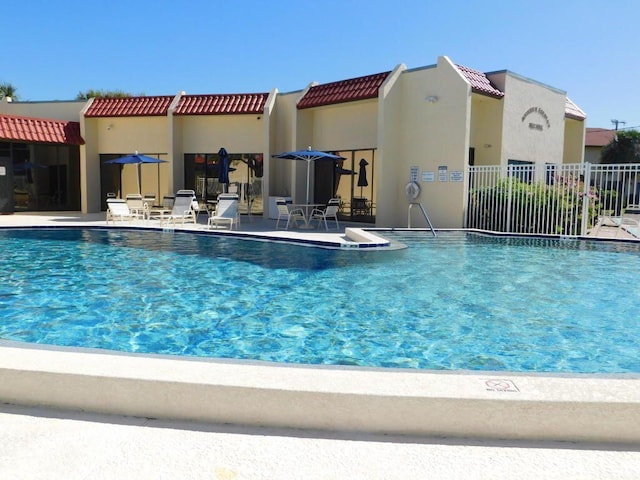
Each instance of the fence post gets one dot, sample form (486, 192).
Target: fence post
(586, 199)
(509, 194)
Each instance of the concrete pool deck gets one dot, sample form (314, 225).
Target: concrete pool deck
(301, 422)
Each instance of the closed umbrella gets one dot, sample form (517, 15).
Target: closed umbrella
(223, 169)
(135, 159)
(362, 175)
(308, 156)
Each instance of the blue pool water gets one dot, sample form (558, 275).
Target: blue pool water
(457, 301)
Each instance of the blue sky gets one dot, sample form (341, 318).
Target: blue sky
(53, 50)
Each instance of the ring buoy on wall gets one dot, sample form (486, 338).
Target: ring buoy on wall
(412, 190)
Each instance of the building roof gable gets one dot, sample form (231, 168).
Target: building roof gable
(480, 83)
(360, 88)
(129, 107)
(238, 104)
(572, 110)
(39, 130)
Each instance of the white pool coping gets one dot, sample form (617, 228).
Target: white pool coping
(407, 402)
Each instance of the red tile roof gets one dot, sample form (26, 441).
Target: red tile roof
(480, 83)
(360, 88)
(598, 137)
(249, 103)
(129, 107)
(39, 130)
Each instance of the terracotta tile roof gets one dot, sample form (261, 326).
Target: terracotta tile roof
(129, 107)
(598, 137)
(221, 104)
(360, 88)
(571, 110)
(39, 130)
(480, 83)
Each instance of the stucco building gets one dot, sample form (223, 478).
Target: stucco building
(425, 124)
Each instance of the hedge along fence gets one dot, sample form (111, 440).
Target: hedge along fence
(562, 201)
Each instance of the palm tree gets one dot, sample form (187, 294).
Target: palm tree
(8, 90)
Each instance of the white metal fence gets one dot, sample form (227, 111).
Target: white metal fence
(562, 199)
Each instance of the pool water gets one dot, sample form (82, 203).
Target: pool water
(454, 302)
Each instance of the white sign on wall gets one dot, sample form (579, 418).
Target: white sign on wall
(428, 176)
(455, 176)
(3, 171)
(442, 173)
(413, 174)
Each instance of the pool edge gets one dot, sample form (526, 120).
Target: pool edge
(487, 405)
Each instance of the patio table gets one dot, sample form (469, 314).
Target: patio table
(307, 208)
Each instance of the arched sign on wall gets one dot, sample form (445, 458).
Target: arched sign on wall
(543, 117)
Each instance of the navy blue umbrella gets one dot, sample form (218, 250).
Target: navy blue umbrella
(21, 167)
(223, 169)
(135, 159)
(309, 156)
(362, 175)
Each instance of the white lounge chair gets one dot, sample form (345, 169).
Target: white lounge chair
(136, 204)
(329, 212)
(149, 199)
(226, 212)
(118, 210)
(630, 221)
(182, 209)
(285, 212)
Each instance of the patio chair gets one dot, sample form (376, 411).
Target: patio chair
(118, 210)
(158, 213)
(149, 199)
(360, 206)
(135, 203)
(168, 201)
(226, 212)
(285, 212)
(630, 221)
(329, 212)
(182, 208)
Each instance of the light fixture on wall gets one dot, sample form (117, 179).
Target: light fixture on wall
(110, 126)
(432, 98)
(487, 145)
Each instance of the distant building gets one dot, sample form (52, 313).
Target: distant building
(594, 141)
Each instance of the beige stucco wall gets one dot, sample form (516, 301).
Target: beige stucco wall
(593, 154)
(574, 133)
(283, 128)
(209, 133)
(427, 135)
(350, 125)
(147, 135)
(486, 129)
(533, 120)
(56, 110)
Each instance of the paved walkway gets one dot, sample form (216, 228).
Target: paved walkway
(45, 444)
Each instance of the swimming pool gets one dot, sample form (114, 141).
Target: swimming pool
(454, 302)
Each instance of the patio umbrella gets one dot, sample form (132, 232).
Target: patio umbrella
(362, 175)
(223, 169)
(135, 159)
(308, 156)
(26, 168)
